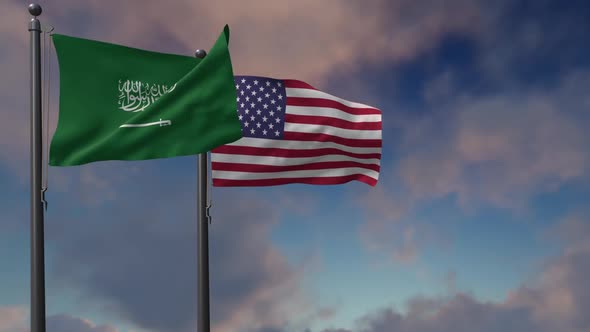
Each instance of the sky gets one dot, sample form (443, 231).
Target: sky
(479, 222)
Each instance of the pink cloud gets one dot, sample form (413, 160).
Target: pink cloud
(67, 323)
(253, 285)
(13, 319)
(390, 229)
(497, 150)
(16, 319)
(560, 292)
(557, 298)
(272, 39)
(14, 132)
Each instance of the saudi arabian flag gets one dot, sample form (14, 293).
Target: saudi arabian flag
(121, 103)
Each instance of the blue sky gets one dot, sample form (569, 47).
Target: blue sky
(479, 221)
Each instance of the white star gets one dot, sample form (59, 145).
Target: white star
(258, 112)
(267, 83)
(237, 87)
(247, 111)
(259, 99)
(272, 113)
(274, 90)
(264, 131)
(279, 84)
(241, 117)
(267, 95)
(279, 108)
(273, 101)
(255, 82)
(242, 105)
(252, 105)
(248, 86)
(280, 97)
(261, 89)
(265, 106)
(277, 133)
(263, 119)
(252, 118)
(278, 120)
(242, 92)
(258, 125)
(238, 99)
(246, 124)
(254, 93)
(243, 80)
(271, 126)
(252, 131)
(247, 98)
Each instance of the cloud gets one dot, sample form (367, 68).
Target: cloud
(135, 259)
(496, 150)
(500, 149)
(97, 183)
(391, 230)
(14, 87)
(458, 314)
(254, 285)
(535, 41)
(561, 293)
(497, 147)
(67, 323)
(16, 319)
(12, 319)
(555, 299)
(272, 39)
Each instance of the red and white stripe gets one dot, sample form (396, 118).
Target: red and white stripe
(327, 140)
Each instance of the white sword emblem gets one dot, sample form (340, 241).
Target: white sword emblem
(162, 123)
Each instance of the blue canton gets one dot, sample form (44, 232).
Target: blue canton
(261, 106)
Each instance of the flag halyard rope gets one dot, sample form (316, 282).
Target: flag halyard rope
(47, 31)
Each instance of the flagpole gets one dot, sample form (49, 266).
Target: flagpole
(37, 236)
(203, 317)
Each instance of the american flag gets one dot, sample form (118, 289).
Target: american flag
(294, 133)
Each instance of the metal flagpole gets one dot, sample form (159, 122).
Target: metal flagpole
(37, 236)
(203, 316)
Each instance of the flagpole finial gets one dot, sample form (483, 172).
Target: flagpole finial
(200, 53)
(35, 9)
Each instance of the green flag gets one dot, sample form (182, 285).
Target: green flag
(121, 103)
